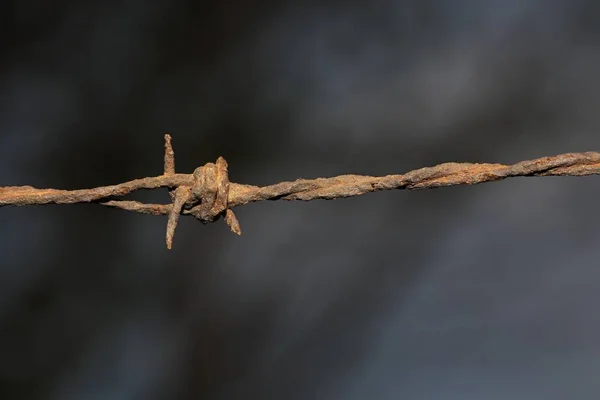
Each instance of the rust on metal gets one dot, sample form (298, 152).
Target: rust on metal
(207, 194)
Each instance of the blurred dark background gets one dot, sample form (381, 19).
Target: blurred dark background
(484, 292)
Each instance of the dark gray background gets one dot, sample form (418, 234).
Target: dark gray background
(484, 292)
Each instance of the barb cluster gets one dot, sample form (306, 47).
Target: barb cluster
(207, 194)
(206, 198)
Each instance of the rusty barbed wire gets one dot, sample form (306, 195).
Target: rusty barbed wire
(207, 194)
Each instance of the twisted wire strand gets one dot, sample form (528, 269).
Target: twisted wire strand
(208, 195)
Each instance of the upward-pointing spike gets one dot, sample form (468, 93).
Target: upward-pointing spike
(169, 156)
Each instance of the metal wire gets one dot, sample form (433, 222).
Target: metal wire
(207, 193)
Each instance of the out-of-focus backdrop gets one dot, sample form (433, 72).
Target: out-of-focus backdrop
(484, 292)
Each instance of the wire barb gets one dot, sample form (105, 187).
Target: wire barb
(169, 156)
(207, 194)
(182, 194)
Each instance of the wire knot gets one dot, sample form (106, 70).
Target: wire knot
(206, 199)
(210, 191)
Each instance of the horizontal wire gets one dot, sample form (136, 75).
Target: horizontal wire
(447, 174)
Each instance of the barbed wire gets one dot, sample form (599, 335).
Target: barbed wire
(207, 194)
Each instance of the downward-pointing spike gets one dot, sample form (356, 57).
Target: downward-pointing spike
(232, 222)
(181, 195)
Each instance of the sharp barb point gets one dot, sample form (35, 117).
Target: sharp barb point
(169, 156)
(181, 195)
(233, 222)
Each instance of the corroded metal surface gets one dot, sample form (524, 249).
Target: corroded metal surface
(208, 195)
